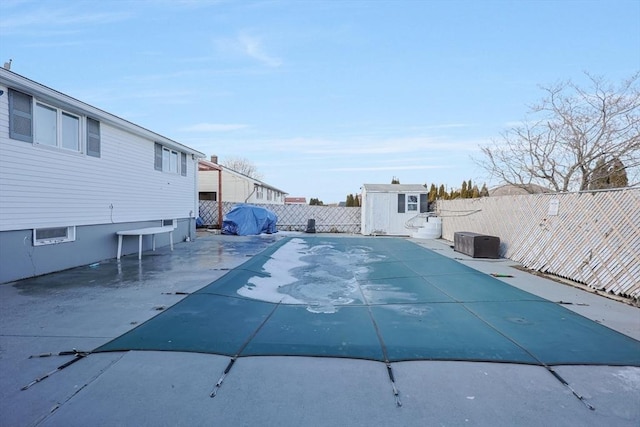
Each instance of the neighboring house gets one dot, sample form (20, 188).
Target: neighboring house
(386, 208)
(72, 175)
(295, 200)
(235, 188)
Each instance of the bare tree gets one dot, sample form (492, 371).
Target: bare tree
(569, 136)
(244, 166)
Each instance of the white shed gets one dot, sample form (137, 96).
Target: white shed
(386, 208)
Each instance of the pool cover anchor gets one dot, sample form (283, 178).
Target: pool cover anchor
(396, 393)
(575, 393)
(73, 352)
(217, 386)
(79, 356)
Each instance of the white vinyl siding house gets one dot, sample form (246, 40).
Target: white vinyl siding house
(386, 208)
(236, 187)
(75, 175)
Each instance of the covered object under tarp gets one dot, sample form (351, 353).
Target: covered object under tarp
(244, 220)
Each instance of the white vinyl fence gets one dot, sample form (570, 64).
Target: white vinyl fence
(588, 237)
(328, 219)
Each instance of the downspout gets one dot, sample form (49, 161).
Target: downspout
(196, 170)
(251, 194)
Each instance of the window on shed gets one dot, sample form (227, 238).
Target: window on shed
(412, 203)
(93, 138)
(20, 116)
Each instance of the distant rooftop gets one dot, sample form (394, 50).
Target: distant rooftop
(394, 187)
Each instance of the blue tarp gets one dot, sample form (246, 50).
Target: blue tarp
(245, 220)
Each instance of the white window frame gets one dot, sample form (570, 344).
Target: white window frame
(59, 133)
(69, 236)
(412, 205)
(171, 160)
(19, 120)
(168, 223)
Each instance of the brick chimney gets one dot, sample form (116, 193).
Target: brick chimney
(214, 159)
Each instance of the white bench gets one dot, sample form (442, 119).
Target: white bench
(144, 232)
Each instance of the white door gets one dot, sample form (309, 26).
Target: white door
(380, 213)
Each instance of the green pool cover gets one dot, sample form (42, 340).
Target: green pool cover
(384, 299)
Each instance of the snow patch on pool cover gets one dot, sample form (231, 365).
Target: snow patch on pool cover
(318, 276)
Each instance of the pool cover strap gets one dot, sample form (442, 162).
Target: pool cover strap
(235, 357)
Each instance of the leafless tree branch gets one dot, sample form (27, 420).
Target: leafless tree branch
(567, 133)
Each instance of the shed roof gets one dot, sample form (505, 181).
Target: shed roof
(394, 188)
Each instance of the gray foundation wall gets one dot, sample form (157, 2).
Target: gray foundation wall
(19, 259)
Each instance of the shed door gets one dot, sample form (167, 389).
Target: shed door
(380, 213)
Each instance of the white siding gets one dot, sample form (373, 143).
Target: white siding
(380, 213)
(43, 187)
(208, 181)
(236, 188)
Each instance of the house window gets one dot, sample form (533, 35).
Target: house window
(56, 128)
(34, 121)
(208, 195)
(70, 132)
(49, 236)
(168, 160)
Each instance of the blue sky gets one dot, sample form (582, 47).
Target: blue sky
(322, 96)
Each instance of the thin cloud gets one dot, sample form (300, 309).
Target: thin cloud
(214, 127)
(249, 46)
(55, 17)
(253, 47)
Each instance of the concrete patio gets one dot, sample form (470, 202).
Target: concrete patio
(83, 308)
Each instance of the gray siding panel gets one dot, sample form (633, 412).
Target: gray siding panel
(20, 259)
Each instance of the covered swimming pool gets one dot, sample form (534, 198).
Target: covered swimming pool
(382, 299)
